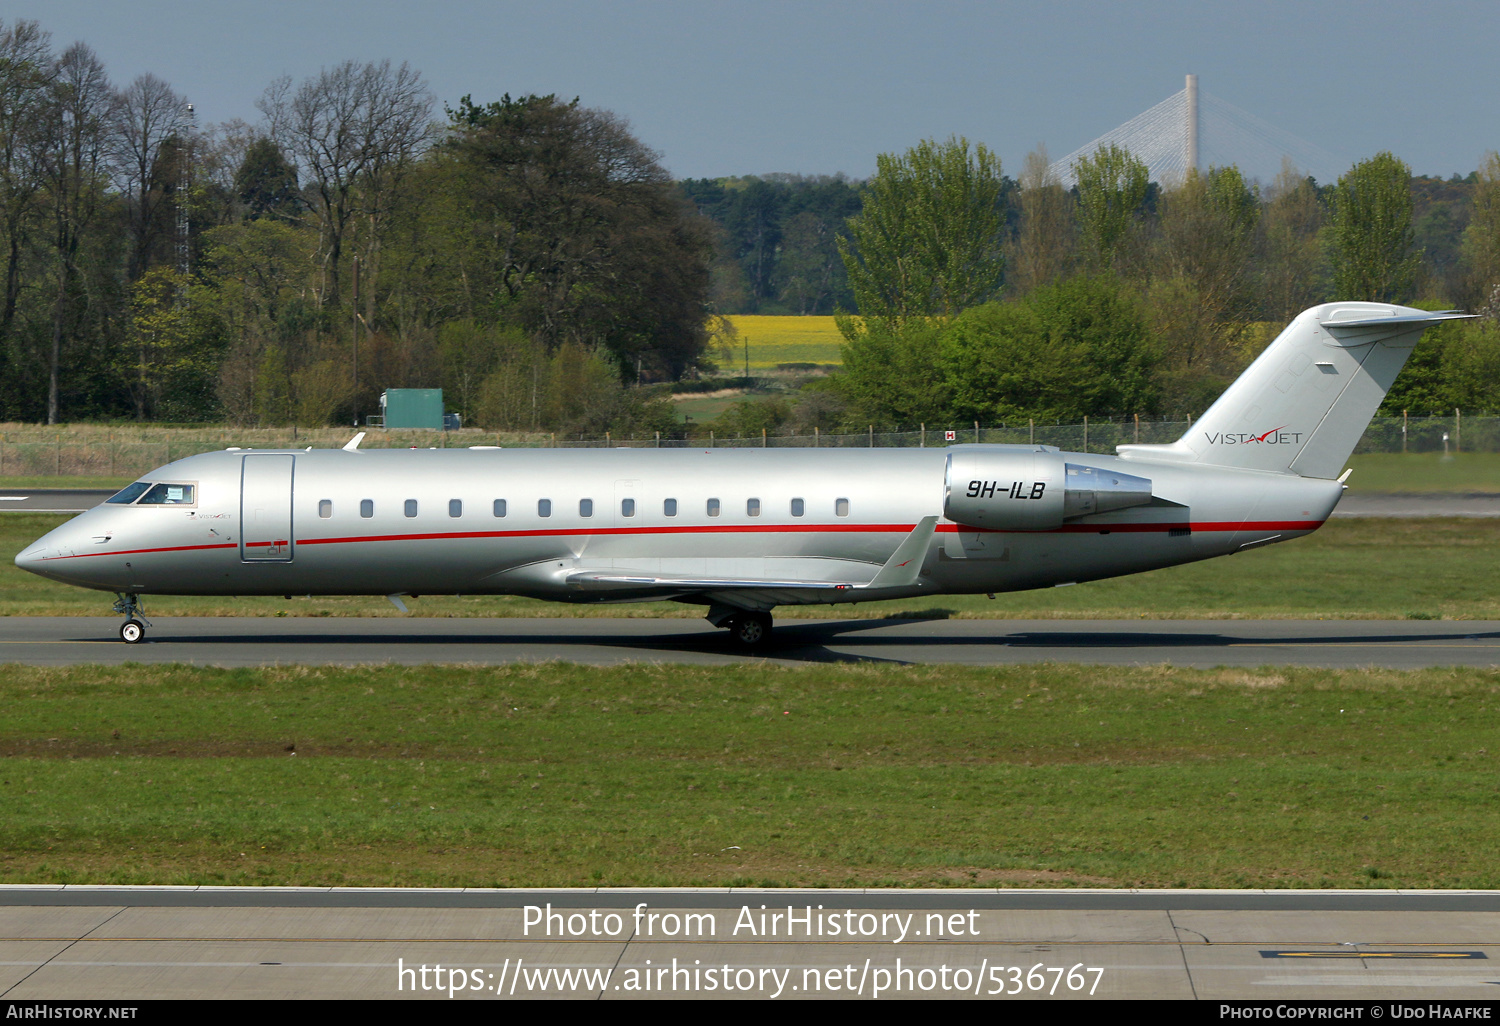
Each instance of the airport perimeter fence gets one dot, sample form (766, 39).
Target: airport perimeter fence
(65, 456)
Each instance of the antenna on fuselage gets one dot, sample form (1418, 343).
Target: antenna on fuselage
(353, 443)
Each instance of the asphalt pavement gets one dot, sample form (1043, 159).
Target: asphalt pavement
(341, 943)
(266, 641)
(52, 500)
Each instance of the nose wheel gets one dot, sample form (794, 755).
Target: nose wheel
(134, 627)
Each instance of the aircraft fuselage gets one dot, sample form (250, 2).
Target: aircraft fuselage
(528, 521)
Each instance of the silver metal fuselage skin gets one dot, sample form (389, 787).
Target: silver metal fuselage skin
(1197, 512)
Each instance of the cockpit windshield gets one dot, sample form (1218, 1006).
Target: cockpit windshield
(129, 493)
(152, 493)
(167, 495)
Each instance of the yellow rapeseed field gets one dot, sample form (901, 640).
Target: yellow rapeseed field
(778, 340)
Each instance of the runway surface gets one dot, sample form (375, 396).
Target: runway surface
(1354, 504)
(52, 500)
(263, 641)
(144, 943)
(1417, 505)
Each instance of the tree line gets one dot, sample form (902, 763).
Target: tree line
(983, 299)
(529, 255)
(534, 259)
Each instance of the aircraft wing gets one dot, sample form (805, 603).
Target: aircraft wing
(900, 571)
(586, 578)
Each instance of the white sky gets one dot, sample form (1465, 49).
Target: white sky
(726, 87)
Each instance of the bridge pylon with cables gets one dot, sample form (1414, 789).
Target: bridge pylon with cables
(1190, 129)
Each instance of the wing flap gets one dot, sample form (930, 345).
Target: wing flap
(585, 578)
(900, 571)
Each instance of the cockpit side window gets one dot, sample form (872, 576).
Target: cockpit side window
(165, 494)
(129, 493)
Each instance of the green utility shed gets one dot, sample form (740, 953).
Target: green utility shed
(412, 408)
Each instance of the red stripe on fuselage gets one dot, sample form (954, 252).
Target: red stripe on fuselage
(1196, 526)
(138, 552)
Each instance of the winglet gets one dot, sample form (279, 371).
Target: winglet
(905, 564)
(353, 443)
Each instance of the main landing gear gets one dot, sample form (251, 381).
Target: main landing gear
(752, 630)
(134, 627)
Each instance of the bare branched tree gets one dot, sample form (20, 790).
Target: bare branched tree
(74, 151)
(1291, 252)
(26, 70)
(1044, 249)
(150, 116)
(352, 130)
(218, 151)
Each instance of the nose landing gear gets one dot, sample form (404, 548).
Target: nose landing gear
(134, 627)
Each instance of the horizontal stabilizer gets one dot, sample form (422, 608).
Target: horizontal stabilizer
(1404, 320)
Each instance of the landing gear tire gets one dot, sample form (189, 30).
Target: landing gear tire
(751, 630)
(128, 605)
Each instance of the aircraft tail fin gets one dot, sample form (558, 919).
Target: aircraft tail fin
(1302, 406)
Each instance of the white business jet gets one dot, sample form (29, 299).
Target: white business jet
(742, 531)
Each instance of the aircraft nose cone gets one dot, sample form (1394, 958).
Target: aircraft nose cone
(31, 559)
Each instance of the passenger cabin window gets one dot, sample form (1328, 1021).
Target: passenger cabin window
(669, 507)
(752, 507)
(411, 507)
(798, 507)
(627, 507)
(129, 493)
(325, 508)
(499, 507)
(367, 508)
(168, 495)
(585, 507)
(841, 507)
(544, 507)
(455, 507)
(713, 507)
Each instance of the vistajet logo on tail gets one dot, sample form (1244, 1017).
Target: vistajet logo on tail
(1275, 436)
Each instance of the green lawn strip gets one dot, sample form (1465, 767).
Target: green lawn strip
(558, 775)
(704, 410)
(1425, 472)
(1374, 568)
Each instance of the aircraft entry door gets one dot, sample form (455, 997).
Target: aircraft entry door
(266, 509)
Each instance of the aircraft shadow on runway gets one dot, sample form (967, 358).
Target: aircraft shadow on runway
(796, 640)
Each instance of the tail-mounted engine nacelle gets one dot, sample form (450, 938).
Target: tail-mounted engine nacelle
(1031, 489)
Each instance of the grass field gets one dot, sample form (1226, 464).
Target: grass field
(556, 775)
(777, 340)
(1425, 472)
(704, 410)
(1350, 569)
